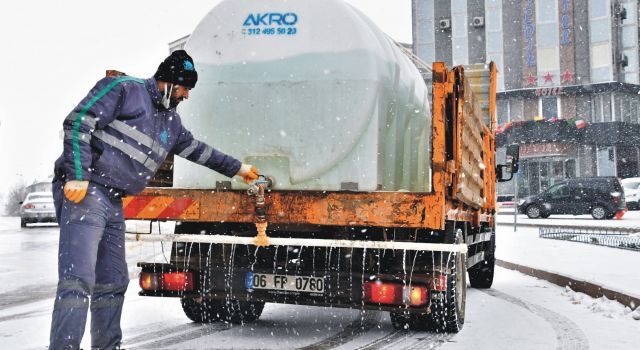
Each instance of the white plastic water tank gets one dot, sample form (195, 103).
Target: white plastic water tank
(312, 93)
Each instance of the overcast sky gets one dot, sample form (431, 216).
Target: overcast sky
(53, 52)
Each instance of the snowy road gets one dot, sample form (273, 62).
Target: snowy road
(518, 312)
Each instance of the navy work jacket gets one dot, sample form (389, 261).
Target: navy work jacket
(120, 134)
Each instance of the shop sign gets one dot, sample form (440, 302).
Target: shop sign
(566, 28)
(529, 31)
(542, 149)
(554, 91)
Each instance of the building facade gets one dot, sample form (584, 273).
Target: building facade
(569, 75)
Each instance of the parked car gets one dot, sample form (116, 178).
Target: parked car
(602, 197)
(505, 201)
(37, 207)
(631, 192)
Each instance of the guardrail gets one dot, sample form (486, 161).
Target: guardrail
(616, 237)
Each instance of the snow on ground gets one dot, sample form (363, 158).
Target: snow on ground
(616, 269)
(518, 312)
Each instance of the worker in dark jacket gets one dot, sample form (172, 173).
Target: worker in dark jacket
(115, 141)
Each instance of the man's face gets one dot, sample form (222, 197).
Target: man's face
(178, 94)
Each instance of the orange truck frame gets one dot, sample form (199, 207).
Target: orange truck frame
(402, 252)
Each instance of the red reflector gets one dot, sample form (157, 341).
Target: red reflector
(177, 281)
(383, 293)
(439, 283)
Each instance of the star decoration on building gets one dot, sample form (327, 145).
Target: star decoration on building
(567, 76)
(548, 78)
(531, 80)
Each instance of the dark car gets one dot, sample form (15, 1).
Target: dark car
(602, 197)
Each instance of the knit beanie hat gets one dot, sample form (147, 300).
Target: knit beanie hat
(177, 69)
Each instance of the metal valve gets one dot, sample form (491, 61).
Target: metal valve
(263, 181)
(257, 189)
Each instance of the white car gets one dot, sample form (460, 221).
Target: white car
(631, 192)
(37, 207)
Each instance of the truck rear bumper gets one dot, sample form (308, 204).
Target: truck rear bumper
(340, 289)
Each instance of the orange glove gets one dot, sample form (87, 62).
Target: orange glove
(76, 190)
(248, 173)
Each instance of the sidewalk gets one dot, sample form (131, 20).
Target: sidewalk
(611, 268)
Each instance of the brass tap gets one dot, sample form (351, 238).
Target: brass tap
(257, 189)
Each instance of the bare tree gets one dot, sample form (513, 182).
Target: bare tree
(15, 196)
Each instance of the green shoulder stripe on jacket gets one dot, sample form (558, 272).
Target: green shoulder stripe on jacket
(76, 123)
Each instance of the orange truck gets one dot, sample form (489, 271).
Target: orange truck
(397, 231)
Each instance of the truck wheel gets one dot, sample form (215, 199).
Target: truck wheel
(447, 314)
(599, 212)
(232, 311)
(481, 275)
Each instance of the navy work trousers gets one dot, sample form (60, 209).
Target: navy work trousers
(92, 271)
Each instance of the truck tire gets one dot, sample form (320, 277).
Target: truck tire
(231, 311)
(481, 275)
(447, 314)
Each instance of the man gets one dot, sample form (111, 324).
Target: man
(115, 140)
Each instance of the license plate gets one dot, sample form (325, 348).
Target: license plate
(308, 284)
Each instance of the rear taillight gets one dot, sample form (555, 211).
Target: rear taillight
(29, 206)
(177, 281)
(394, 294)
(418, 296)
(170, 281)
(149, 281)
(382, 293)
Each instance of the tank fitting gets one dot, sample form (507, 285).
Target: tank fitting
(257, 189)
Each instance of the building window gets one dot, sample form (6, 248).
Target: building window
(546, 11)
(606, 108)
(516, 110)
(625, 108)
(601, 55)
(597, 108)
(459, 32)
(599, 8)
(548, 61)
(600, 32)
(602, 106)
(549, 107)
(548, 41)
(503, 111)
(633, 111)
(584, 108)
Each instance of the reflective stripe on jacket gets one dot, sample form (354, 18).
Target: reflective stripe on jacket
(119, 135)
